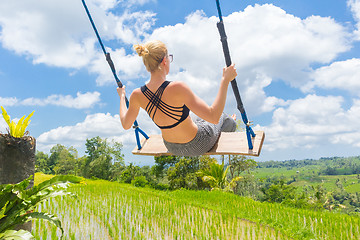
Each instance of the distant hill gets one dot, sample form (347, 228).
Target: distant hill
(309, 172)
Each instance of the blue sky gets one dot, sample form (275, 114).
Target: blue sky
(298, 68)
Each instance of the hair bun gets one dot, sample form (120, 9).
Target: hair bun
(141, 50)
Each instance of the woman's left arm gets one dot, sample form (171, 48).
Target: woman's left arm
(128, 115)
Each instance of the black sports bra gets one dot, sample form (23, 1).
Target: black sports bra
(155, 102)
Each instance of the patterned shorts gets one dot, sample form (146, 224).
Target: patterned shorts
(206, 137)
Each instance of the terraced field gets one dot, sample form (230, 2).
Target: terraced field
(109, 210)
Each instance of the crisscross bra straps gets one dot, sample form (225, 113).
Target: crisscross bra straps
(177, 113)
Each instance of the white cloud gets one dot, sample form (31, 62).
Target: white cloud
(99, 124)
(140, 2)
(339, 75)
(281, 45)
(104, 4)
(265, 42)
(351, 122)
(8, 101)
(3, 125)
(46, 31)
(256, 95)
(129, 67)
(263, 39)
(81, 101)
(312, 122)
(130, 27)
(58, 33)
(355, 8)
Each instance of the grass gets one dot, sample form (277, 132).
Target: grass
(353, 188)
(286, 171)
(40, 177)
(109, 210)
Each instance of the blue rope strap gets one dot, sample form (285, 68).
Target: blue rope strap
(119, 83)
(223, 38)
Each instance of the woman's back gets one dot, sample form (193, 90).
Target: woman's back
(166, 106)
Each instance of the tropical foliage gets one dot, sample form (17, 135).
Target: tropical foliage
(17, 204)
(185, 172)
(18, 129)
(216, 176)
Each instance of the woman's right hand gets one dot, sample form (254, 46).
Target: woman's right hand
(121, 91)
(229, 73)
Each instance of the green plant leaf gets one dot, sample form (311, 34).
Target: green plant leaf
(57, 180)
(26, 123)
(5, 115)
(5, 195)
(12, 128)
(16, 203)
(235, 180)
(16, 235)
(210, 179)
(48, 217)
(17, 132)
(51, 188)
(2, 211)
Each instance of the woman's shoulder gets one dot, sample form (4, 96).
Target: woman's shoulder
(136, 93)
(137, 97)
(179, 85)
(180, 90)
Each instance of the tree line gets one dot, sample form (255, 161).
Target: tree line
(104, 160)
(329, 165)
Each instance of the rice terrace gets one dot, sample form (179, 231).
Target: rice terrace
(110, 210)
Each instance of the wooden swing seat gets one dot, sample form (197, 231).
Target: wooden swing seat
(229, 143)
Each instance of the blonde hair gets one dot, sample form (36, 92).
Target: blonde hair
(152, 53)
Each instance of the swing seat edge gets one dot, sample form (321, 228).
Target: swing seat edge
(229, 143)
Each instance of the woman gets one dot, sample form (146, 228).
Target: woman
(168, 104)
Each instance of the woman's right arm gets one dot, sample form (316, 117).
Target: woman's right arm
(128, 115)
(211, 113)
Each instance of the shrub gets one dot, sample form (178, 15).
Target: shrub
(161, 186)
(139, 181)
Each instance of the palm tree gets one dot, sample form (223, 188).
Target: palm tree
(216, 177)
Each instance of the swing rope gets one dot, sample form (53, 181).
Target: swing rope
(119, 83)
(223, 38)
